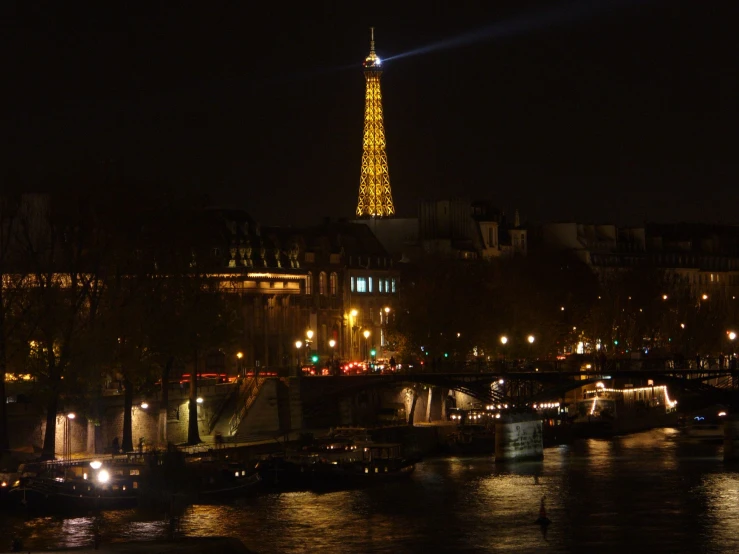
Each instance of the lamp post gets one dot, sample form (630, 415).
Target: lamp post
(240, 369)
(332, 343)
(366, 337)
(383, 329)
(732, 337)
(352, 330)
(298, 346)
(67, 455)
(503, 341)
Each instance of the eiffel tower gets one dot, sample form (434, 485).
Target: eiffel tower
(375, 198)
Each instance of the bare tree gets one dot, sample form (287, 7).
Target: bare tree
(14, 328)
(63, 251)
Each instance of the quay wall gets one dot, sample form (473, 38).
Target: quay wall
(88, 434)
(282, 405)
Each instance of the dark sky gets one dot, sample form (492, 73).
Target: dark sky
(564, 110)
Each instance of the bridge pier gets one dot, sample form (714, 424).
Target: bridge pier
(428, 403)
(519, 437)
(731, 438)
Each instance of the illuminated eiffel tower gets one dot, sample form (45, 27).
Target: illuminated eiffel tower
(375, 198)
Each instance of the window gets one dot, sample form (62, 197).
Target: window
(309, 284)
(387, 285)
(333, 284)
(310, 257)
(380, 283)
(370, 284)
(361, 284)
(354, 284)
(322, 283)
(392, 281)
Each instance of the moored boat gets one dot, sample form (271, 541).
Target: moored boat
(375, 463)
(606, 412)
(705, 425)
(82, 485)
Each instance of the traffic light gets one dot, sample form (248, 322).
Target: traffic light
(373, 352)
(446, 354)
(314, 358)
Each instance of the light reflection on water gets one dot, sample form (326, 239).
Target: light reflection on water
(645, 492)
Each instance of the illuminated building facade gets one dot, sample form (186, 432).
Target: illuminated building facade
(352, 287)
(375, 197)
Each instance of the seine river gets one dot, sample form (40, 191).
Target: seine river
(648, 492)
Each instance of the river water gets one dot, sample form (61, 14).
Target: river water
(648, 492)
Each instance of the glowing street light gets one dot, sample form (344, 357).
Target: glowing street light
(503, 340)
(239, 356)
(704, 297)
(309, 334)
(366, 334)
(332, 344)
(531, 339)
(144, 405)
(732, 335)
(664, 297)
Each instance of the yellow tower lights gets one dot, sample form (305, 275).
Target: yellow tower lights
(375, 197)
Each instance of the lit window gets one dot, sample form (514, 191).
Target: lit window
(387, 285)
(309, 284)
(380, 283)
(370, 284)
(354, 284)
(322, 283)
(392, 281)
(334, 284)
(361, 284)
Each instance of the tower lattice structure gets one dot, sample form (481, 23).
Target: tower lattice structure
(375, 198)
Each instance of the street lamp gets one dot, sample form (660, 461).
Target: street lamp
(503, 341)
(332, 343)
(68, 436)
(531, 339)
(298, 346)
(239, 356)
(366, 336)
(352, 329)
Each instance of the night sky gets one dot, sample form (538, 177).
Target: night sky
(599, 111)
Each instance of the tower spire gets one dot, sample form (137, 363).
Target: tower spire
(375, 198)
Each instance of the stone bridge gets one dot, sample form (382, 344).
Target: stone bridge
(521, 388)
